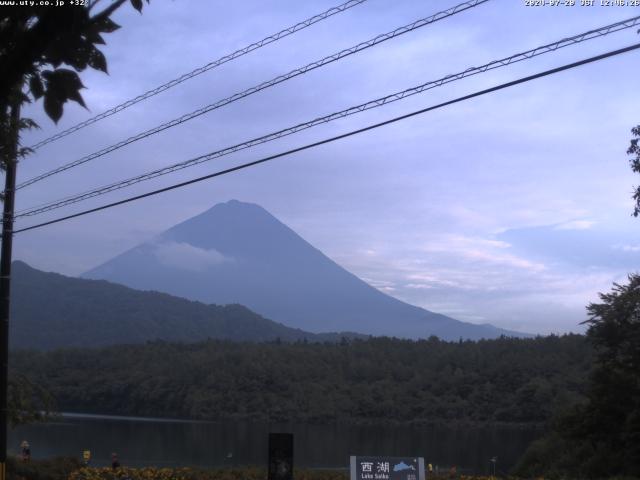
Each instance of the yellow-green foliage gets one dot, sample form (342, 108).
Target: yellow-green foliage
(148, 473)
(51, 469)
(248, 473)
(151, 473)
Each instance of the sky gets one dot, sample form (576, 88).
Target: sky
(512, 209)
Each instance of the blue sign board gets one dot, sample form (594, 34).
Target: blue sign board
(387, 468)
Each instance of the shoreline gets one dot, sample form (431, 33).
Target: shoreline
(281, 423)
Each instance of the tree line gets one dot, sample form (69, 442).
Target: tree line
(506, 380)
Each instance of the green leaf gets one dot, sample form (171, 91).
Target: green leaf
(28, 124)
(25, 152)
(53, 106)
(76, 97)
(137, 4)
(67, 79)
(62, 85)
(36, 87)
(106, 25)
(79, 56)
(57, 51)
(97, 60)
(94, 37)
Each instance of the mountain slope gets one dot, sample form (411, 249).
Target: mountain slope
(49, 311)
(239, 253)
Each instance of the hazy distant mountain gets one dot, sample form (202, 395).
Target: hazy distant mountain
(52, 311)
(239, 253)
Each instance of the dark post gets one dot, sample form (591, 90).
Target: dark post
(11, 163)
(280, 456)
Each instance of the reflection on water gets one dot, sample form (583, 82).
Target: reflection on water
(177, 443)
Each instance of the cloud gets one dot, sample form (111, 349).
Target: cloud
(187, 257)
(488, 279)
(627, 248)
(600, 246)
(419, 286)
(480, 250)
(576, 225)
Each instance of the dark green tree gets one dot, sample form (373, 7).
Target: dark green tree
(601, 438)
(613, 413)
(42, 50)
(634, 149)
(357, 381)
(28, 402)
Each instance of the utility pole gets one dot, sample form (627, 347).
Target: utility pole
(494, 460)
(10, 164)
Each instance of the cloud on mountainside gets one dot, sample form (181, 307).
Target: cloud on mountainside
(187, 257)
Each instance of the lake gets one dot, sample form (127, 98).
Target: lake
(160, 442)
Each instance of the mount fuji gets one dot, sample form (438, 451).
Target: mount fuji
(238, 253)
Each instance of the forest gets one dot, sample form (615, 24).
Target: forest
(507, 380)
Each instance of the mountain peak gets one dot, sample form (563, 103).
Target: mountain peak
(240, 229)
(236, 205)
(231, 213)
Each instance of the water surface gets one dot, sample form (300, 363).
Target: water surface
(161, 442)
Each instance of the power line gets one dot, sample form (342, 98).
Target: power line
(205, 68)
(334, 116)
(339, 137)
(270, 83)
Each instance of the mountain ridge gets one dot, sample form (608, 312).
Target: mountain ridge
(50, 310)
